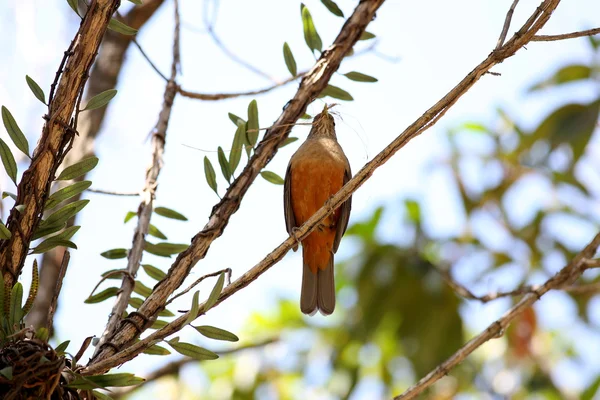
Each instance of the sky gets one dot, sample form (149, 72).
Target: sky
(424, 48)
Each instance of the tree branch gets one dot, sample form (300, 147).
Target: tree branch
(146, 205)
(550, 38)
(56, 138)
(564, 277)
(507, 20)
(312, 84)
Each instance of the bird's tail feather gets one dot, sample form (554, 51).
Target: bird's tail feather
(318, 289)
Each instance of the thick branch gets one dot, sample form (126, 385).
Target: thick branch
(145, 208)
(103, 76)
(564, 277)
(312, 84)
(55, 139)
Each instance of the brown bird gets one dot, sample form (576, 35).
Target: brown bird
(317, 171)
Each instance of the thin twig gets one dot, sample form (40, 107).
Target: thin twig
(174, 367)
(154, 67)
(572, 35)
(496, 329)
(197, 282)
(507, 20)
(113, 193)
(145, 208)
(265, 151)
(59, 281)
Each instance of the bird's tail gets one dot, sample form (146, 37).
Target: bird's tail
(318, 286)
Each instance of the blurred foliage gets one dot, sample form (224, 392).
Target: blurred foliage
(526, 204)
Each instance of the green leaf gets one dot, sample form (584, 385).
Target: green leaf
(194, 310)
(141, 289)
(4, 232)
(9, 194)
(169, 213)
(252, 127)
(333, 8)
(312, 38)
(306, 116)
(45, 229)
(101, 99)
(216, 333)
(135, 302)
(154, 272)
(120, 27)
(103, 295)
(211, 176)
(290, 61)
(20, 208)
(272, 177)
(236, 120)
(9, 161)
(104, 381)
(157, 351)
(68, 233)
(590, 391)
(7, 372)
(336, 93)
(138, 2)
(35, 89)
(62, 347)
(128, 216)
(413, 211)
(16, 299)
(100, 395)
(166, 313)
(51, 243)
(570, 73)
(73, 5)
(154, 231)
(165, 249)
(158, 324)
(190, 350)
(76, 170)
(215, 293)
(225, 170)
(366, 36)
(15, 133)
(288, 141)
(66, 193)
(65, 213)
(360, 77)
(114, 254)
(236, 148)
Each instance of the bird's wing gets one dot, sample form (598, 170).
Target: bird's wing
(290, 220)
(345, 208)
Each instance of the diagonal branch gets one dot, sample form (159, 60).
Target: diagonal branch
(572, 35)
(56, 138)
(496, 329)
(145, 208)
(216, 223)
(311, 85)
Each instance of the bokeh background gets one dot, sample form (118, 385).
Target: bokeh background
(503, 191)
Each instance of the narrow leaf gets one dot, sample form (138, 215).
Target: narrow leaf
(100, 395)
(129, 215)
(336, 93)
(333, 8)
(211, 176)
(68, 233)
(73, 5)
(154, 272)
(120, 27)
(135, 302)
(9, 194)
(312, 38)
(224, 164)
(235, 119)
(16, 299)
(114, 254)
(165, 249)
(66, 193)
(366, 36)
(216, 333)
(106, 380)
(64, 213)
(157, 350)
(252, 130)
(101, 99)
(4, 232)
(168, 213)
(138, 2)
(215, 293)
(190, 350)
(62, 347)
(47, 229)
(288, 141)
(166, 313)
(51, 243)
(194, 310)
(158, 324)
(290, 61)
(306, 116)
(236, 148)
(154, 231)
(142, 289)
(15, 133)
(360, 77)
(76, 170)
(9, 161)
(33, 289)
(272, 177)
(7, 372)
(35, 89)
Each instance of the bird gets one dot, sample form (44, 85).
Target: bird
(317, 171)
